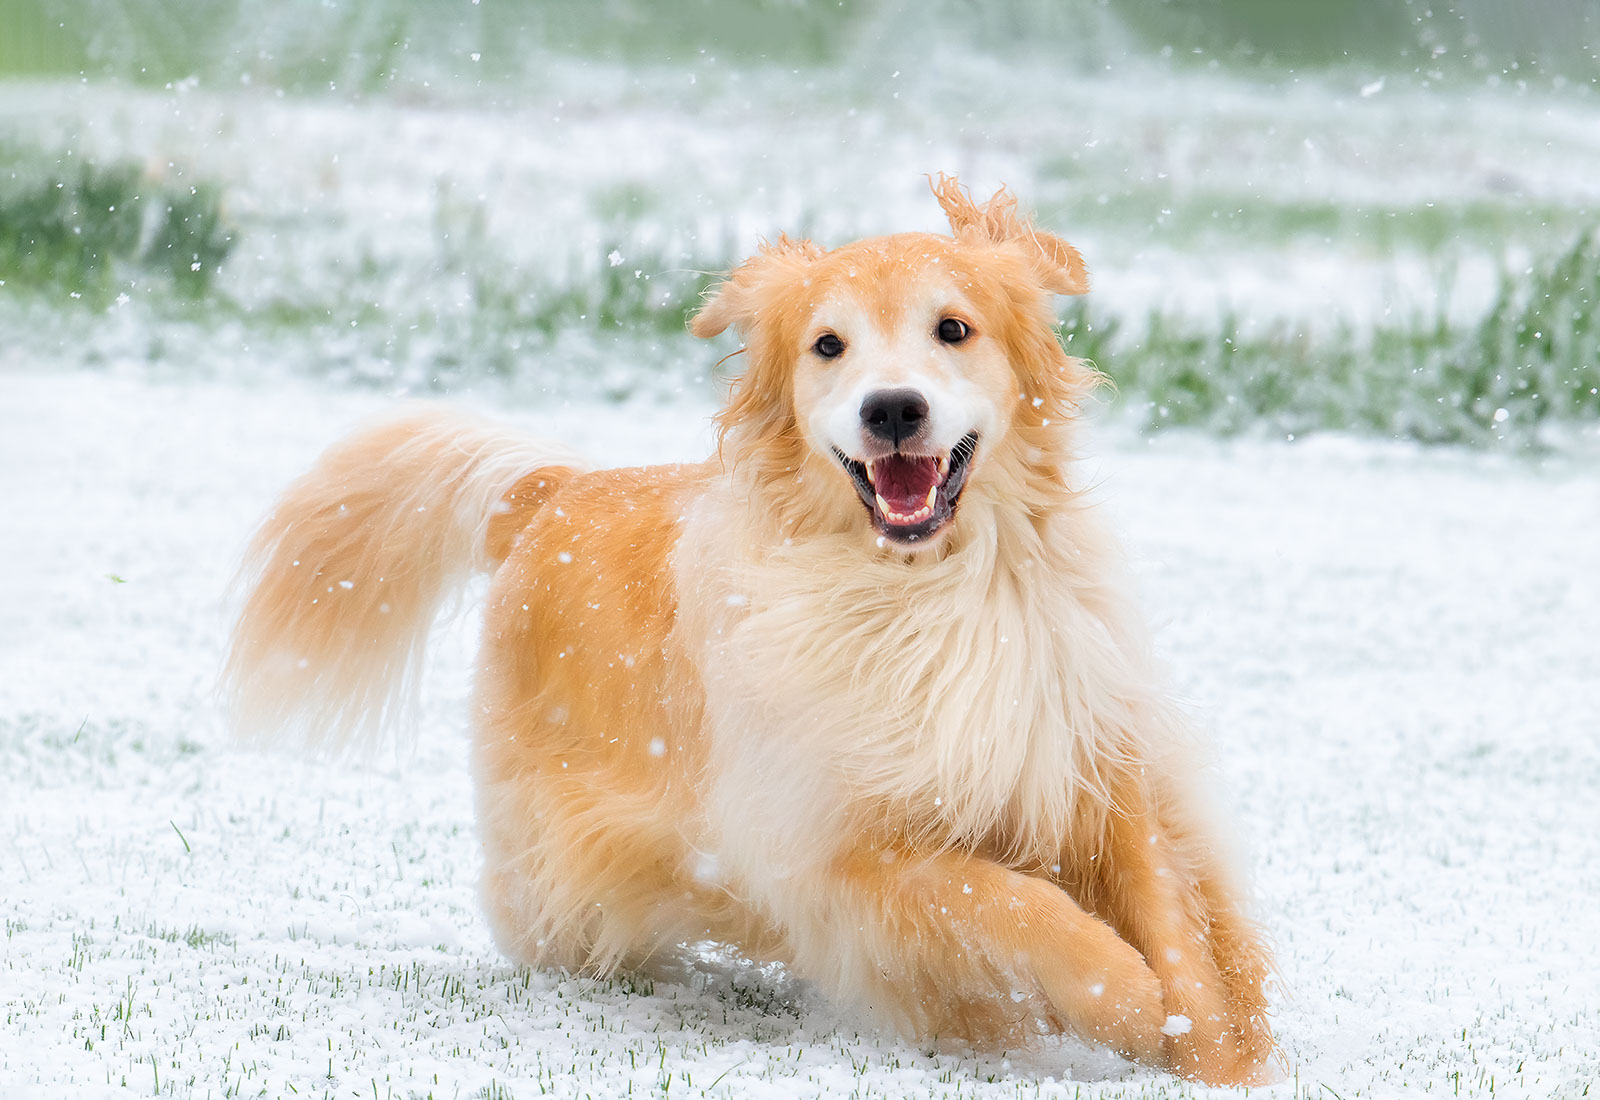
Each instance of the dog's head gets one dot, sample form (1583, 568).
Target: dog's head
(898, 374)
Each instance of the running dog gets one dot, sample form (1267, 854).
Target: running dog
(864, 692)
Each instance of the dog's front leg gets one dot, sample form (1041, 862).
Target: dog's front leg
(1162, 887)
(955, 945)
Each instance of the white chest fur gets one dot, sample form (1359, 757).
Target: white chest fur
(981, 694)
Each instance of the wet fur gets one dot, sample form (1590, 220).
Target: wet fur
(949, 786)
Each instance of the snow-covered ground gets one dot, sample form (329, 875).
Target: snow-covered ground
(1395, 648)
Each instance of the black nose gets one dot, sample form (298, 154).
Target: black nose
(894, 415)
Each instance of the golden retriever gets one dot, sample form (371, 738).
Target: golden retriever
(863, 693)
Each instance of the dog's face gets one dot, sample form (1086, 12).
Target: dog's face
(894, 370)
(900, 378)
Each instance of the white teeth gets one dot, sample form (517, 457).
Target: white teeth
(905, 519)
(944, 467)
(872, 475)
(933, 494)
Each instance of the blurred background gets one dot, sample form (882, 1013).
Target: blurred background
(1368, 215)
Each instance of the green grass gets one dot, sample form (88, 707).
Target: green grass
(194, 936)
(629, 286)
(1178, 217)
(91, 230)
(467, 309)
(1532, 360)
(610, 320)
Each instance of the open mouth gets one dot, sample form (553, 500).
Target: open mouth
(912, 497)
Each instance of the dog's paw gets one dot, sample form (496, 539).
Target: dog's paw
(1108, 994)
(1228, 1055)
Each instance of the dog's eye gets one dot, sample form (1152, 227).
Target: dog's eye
(828, 346)
(952, 331)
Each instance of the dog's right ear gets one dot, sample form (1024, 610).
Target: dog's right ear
(736, 300)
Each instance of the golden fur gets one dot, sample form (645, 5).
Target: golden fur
(944, 781)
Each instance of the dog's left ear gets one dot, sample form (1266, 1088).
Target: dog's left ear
(735, 301)
(1061, 269)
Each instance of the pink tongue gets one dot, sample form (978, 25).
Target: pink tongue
(904, 482)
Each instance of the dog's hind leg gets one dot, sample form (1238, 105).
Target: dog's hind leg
(577, 875)
(584, 873)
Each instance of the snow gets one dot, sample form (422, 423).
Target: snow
(1395, 649)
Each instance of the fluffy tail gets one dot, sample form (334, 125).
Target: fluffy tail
(345, 577)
